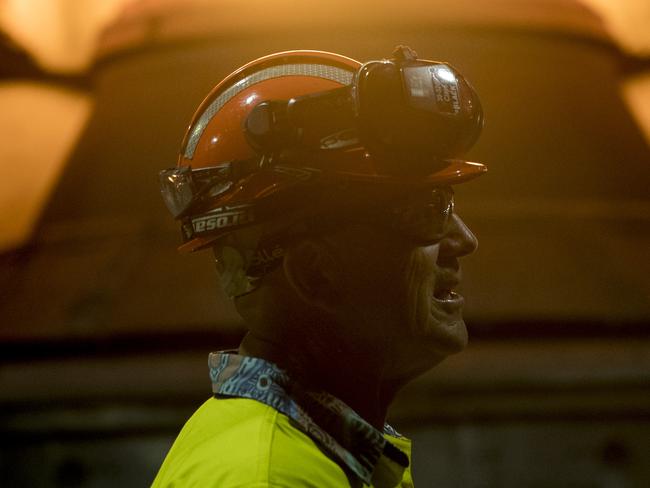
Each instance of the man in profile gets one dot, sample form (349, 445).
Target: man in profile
(324, 189)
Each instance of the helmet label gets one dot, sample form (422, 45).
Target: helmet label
(222, 218)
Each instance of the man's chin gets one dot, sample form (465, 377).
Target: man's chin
(428, 348)
(444, 335)
(454, 336)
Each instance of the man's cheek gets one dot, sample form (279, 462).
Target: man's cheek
(429, 254)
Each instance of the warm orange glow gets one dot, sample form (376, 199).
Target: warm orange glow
(59, 33)
(636, 92)
(628, 21)
(62, 33)
(39, 126)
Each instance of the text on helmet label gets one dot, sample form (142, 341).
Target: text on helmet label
(222, 218)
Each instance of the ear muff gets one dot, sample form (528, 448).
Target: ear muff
(409, 114)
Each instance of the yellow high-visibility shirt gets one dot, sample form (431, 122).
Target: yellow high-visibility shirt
(240, 442)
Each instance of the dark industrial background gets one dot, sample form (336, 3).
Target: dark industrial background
(105, 329)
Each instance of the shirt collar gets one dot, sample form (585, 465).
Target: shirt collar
(339, 430)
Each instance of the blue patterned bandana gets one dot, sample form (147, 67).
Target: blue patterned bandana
(351, 441)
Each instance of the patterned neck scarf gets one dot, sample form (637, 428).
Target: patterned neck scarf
(351, 441)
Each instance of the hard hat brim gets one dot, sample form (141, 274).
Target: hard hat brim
(454, 172)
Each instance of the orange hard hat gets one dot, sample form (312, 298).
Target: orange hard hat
(225, 180)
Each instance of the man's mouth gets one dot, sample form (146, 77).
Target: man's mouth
(446, 295)
(447, 301)
(444, 286)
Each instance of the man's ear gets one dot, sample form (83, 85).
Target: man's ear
(314, 273)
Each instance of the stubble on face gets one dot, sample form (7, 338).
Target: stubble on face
(390, 284)
(434, 324)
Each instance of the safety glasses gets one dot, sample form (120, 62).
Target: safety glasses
(421, 216)
(182, 188)
(423, 219)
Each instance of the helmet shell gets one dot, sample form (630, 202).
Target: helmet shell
(216, 134)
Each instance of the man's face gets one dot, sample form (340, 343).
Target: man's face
(401, 293)
(433, 273)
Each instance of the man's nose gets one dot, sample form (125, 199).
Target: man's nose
(458, 239)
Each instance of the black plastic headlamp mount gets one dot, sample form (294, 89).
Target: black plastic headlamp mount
(409, 114)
